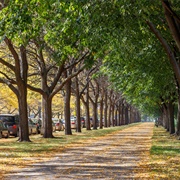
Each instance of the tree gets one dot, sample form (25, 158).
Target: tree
(19, 69)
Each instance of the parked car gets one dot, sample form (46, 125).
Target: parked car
(32, 127)
(73, 123)
(42, 129)
(38, 123)
(59, 126)
(12, 123)
(3, 130)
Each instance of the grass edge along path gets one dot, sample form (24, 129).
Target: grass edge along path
(164, 161)
(15, 154)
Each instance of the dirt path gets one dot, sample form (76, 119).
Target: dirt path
(114, 157)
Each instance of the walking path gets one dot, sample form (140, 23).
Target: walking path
(115, 157)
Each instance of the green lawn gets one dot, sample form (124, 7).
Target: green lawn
(165, 155)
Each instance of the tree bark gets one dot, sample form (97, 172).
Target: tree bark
(67, 111)
(95, 119)
(101, 114)
(21, 78)
(165, 118)
(88, 126)
(171, 117)
(173, 22)
(109, 116)
(112, 115)
(87, 119)
(122, 114)
(78, 106)
(126, 115)
(110, 120)
(119, 114)
(105, 109)
(47, 117)
(178, 117)
(23, 122)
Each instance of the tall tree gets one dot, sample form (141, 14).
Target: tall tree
(19, 69)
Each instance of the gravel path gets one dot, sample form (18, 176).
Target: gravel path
(114, 157)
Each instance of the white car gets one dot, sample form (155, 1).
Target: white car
(73, 123)
(32, 127)
(59, 126)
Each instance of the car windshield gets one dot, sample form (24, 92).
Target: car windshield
(9, 120)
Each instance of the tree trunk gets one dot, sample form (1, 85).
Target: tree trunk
(109, 116)
(171, 118)
(122, 114)
(126, 115)
(173, 22)
(105, 109)
(67, 112)
(23, 122)
(166, 119)
(101, 114)
(20, 71)
(116, 116)
(21, 78)
(78, 113)
(139, 116)
(112, 115)
(47, 116)
(95, 119)
(88, 125)
(178, 117)
(119, 114)
(78, 106)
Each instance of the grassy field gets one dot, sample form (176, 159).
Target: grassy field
(165, 155)
(15, 154)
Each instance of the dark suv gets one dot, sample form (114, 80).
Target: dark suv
(12, 122)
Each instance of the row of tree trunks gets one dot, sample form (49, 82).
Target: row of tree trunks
(168, 117)
(173, 22)
(112, 108)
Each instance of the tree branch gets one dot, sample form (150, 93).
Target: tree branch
(66, 80)
(2, 61)
(168, 50)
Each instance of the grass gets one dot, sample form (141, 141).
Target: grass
(165, 155)
(15, 154)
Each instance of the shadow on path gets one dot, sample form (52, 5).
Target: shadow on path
(116, 156)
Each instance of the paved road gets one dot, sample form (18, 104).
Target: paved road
(114, 157)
